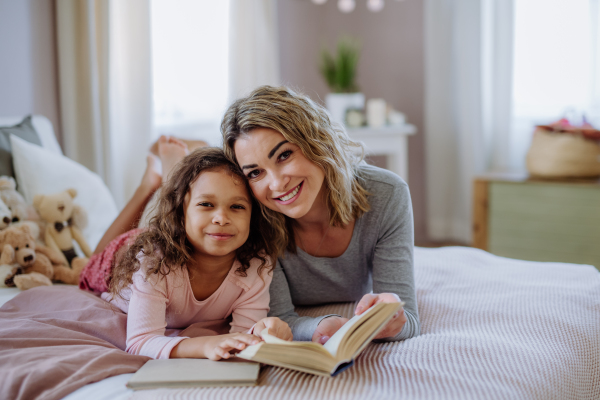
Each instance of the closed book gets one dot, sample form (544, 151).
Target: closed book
(188, 372)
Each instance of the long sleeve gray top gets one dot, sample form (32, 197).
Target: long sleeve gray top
(379, 258)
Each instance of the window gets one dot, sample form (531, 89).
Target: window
(555, 47)
(190, 67)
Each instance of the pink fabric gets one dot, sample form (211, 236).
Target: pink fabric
(96, 273)
(56, 339)
(160, 306)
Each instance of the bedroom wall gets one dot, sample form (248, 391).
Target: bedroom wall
(391, 65)
(28, 72)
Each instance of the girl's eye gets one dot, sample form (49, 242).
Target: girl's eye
(285, 155)
(253, 174)
(238, 207)
(205, 204)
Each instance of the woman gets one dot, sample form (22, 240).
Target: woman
(346, 227)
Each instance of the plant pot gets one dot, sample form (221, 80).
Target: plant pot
(339, 103)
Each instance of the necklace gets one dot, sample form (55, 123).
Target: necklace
(320, 243)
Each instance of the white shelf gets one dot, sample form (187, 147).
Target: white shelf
(391, 141)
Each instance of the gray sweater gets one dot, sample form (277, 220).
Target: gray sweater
(379, 258)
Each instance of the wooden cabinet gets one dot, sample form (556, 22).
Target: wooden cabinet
(538, 220)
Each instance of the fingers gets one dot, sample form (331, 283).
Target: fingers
(365, 303)
(326, 328)
(275, 326)
(394, 326)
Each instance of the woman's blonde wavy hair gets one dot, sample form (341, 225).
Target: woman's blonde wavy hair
(307, 125)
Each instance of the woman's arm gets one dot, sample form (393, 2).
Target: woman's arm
(303, 328)
(393, 264)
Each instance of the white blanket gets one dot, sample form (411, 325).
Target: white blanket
(492, 328)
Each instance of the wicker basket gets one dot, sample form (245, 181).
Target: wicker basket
(563, 155)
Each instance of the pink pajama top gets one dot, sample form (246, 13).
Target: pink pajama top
(160, 307)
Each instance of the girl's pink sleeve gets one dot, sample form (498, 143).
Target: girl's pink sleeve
(146, 318)
(253, 304)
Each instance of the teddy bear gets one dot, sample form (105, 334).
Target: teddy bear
(5, 215)
(64, 221)
(19, 208)
(33, 265)
(19, 211)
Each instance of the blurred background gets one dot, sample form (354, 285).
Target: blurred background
(463, 82)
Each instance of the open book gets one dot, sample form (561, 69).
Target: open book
(332, 357)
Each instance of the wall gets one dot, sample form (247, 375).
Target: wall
(391, 65)
(28, 71)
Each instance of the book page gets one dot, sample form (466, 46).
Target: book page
(334, 342)
(346, 331)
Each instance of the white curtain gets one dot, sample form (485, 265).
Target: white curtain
(468, 57)
(105, 88)
(253, 46)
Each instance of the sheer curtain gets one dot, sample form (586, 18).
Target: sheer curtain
(467, 105)
(105, 88)
(253, 54)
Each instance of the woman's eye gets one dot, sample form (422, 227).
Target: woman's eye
(285, 155)
(253, 174)
(205, 204)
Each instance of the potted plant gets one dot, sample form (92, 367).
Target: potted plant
(339, 71)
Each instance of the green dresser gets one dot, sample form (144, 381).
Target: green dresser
(538, 220)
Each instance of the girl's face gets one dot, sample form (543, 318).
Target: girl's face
(280, 176)
(217, 211)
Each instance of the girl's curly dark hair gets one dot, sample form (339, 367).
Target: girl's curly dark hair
(165, 242)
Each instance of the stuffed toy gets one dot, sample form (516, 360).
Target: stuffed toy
(20, 212)
(64, 221)
(17, 205)
(32, 265)
(5, 215)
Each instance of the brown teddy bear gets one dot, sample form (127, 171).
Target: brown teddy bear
(34, 265)
(64, 221)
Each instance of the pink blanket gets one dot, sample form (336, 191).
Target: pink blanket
(54, 340)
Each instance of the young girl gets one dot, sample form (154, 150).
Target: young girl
(200, 264)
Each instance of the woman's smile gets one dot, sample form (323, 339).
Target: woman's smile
(290, 196)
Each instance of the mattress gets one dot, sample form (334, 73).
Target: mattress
(491, 328)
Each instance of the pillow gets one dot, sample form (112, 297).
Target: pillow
(40, 171)
(24, 130)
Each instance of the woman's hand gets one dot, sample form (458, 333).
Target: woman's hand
(276, 327)
(223, 346)
(327, 327)
(398, 320)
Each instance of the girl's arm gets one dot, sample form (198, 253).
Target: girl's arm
(213, 347)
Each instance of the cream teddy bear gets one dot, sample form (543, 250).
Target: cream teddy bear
(5, 215)
(33, 265)
(64, 221)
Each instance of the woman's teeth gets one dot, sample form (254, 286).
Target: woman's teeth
(289, 196)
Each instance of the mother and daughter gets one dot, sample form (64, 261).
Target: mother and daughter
(286, 215)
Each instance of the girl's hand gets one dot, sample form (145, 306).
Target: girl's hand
(398, 320)
(223, 346)
(276, 327)
(326, 328)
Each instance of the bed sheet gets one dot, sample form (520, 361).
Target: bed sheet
(491, 328)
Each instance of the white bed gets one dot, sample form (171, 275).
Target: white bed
(492, 328)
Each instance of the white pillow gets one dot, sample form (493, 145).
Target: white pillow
(40, 171)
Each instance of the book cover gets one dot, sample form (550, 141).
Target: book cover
(188, 372)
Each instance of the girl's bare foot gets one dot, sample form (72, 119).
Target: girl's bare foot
(152, 178)
(170, 150)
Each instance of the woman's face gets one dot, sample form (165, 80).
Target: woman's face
(280, 176)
